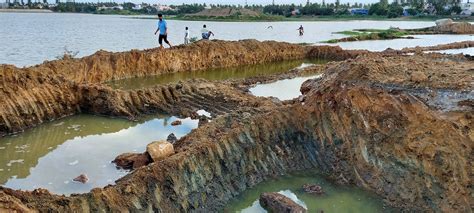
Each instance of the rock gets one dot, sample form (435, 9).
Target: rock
(275, 202)
(172, 138)
(81, 178)
(313, 189)
(159, 150)
(203, 120)
(176, 123)
(132, 160)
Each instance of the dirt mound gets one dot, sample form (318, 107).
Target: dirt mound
(379, 122)
(224, 12)
(456, 45)
(453, 28)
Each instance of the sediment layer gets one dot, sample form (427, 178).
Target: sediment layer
(372, 121)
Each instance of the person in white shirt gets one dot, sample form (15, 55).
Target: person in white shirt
(186, 36)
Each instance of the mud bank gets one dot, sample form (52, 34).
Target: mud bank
(456, 45)
(61, 88)
(370, 121)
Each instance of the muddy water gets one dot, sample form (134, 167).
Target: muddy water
(214, 74)
(336, 199)
(51, 155)
(286, 89)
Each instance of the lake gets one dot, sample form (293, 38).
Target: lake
(24, 45)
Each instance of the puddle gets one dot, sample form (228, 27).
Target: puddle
(336, 198)
(465, 51)
(286, 89)
(240, 72)
(51, 155)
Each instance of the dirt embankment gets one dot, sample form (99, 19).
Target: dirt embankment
(456, 45)
(369, 121)
(453, 28)
(61, 88)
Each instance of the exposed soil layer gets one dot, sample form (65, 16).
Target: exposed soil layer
(373, 120)
(453, 28)
(456, 45)
(64, 87)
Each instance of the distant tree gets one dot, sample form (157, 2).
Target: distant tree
(395, 10)
(379, 9)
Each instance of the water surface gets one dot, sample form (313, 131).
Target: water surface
(31, 38)
(240, 72)
(286, 89)
(51, 155)
(338, 199)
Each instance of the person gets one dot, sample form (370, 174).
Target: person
(206, 34)
(163, 29)
(186, 36)
(301, 30)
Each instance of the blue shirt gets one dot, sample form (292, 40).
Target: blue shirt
(162, 25)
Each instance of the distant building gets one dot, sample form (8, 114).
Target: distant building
(160, 7)
(359, 11)
(467, 8)
(4, 5)
(137, 7)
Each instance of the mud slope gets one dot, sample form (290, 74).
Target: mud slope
(52, 90)
(372, 121)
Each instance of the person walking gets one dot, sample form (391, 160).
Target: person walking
(163, 29)
(186, 36)
(301, 30)
(206, 34)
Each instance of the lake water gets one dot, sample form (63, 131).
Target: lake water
(239, 72)
(51, 155)
(31, 38)
(341, 199)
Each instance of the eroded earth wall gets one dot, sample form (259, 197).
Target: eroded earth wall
(379, 122)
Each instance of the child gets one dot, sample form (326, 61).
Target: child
(186, 36)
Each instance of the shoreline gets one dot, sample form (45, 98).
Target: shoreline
(25, 11)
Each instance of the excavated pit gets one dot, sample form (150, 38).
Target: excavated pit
(373, 120)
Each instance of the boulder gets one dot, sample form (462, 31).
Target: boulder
(81, 178)
(313, 189)
(275, 202)
(159, 150)
(132, 160)
(172, 138)
(176, 123)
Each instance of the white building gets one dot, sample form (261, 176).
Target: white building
(137, 7)
(4, 5)
(467, 8)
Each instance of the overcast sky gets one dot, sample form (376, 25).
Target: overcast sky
(242, 2)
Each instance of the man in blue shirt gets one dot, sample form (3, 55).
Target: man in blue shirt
(163, 29)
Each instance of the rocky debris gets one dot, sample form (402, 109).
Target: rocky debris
(172, 138)
(159, 150)
(81, 178)
(313, 189)
(176, 123)
(132, 161)
(276, 202)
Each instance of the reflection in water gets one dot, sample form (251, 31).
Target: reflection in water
(336, 198)
(284, 89)
(214, 74)
(51, 155)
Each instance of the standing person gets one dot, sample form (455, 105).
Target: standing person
(301, 30)
(163, 29)
(206, 34)
(186, 36)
